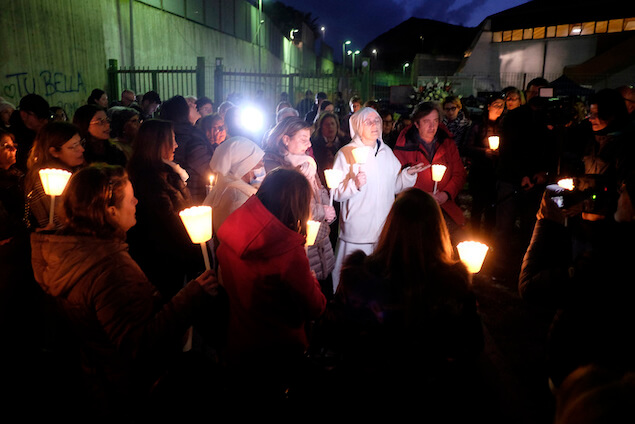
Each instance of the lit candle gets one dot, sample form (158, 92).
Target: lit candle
(312, 228)
(334, 178)
(198, 223)
(438, 171)
(209, 186)
(472, 254)
(53, 181)
(494, 141)
(361, 154)
(566, 183)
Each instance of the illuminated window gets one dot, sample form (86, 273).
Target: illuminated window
(588, 28)
(601, 27)
(616, 25)
(629, 24)
(539, 32)
(507, 36)
(575, 29)
(551, 32)
(562, 31)
(517, 35)
(497, 37)
(528, 34)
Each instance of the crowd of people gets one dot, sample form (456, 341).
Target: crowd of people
(107, 280)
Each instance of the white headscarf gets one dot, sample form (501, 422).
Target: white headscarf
(235, 157)
(356, 121)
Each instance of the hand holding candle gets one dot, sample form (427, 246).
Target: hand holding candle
(53, 181)
(472, 254)
(334, 178)
(198, 223)
(494, 142)
(566, 183)
(438, 171)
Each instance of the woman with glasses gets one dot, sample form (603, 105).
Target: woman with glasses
(368, 189)
(57, 145)
(428, 142)
(94, 126)
(456, 121)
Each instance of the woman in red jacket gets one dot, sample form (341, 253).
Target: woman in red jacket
(425, 141)
(272, 291)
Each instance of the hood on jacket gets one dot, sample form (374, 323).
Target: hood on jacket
(236, 157)
(409, 137)
(253, 231)
(60, 261)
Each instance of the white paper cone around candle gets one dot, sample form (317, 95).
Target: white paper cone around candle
(494, 141)
(334, 178)
(566, 183)
(312, 228)
(361, 154)
(472, 254)
(53, 182)
(438, 171)
(198, 223)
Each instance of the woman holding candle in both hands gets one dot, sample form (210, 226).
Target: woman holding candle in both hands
(58, 145)
(368, 190)
(273, 294)
(286, 147)
(425, 141)
(127, 336)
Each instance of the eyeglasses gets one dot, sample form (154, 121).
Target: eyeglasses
(78, 145)
(219, 128)
(8, 146)
(102, 121)
(450, 109)
(371, 122)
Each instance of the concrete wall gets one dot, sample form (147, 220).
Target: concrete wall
(60, 48)
(512, 63)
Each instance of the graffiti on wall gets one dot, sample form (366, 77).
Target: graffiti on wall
(48, 84)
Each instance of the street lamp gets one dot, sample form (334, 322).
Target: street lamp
(375, 53)
(354, 53)
(344, 44)
(323, 29)
(403, 68)
(293, 31)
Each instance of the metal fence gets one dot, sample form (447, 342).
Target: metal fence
(167, 81)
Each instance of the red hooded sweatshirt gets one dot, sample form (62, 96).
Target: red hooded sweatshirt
(272, 292)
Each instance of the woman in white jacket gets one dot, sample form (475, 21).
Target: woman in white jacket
(368, 189)
(238, 165)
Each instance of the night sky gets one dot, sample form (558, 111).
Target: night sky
(362, 21)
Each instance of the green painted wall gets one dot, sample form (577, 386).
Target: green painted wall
(60, 48)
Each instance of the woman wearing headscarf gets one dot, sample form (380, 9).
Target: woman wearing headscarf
(235, 164)
(368, 190)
